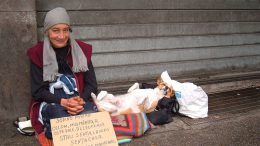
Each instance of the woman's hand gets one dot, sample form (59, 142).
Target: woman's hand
(74, 105)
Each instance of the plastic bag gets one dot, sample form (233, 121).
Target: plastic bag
(193, 101)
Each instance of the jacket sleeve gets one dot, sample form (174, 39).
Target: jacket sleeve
(39, 88)
(90, 82)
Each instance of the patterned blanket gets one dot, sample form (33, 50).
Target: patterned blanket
(130, 125)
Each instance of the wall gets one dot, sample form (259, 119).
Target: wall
(133, 40)
(139, 39)
(17, 33)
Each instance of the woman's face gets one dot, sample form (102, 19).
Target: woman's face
(59, 35)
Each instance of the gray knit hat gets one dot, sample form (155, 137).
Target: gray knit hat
(56, 16)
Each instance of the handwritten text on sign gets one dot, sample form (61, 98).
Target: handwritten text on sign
(94, 129)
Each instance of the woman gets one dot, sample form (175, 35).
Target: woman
(62, 74)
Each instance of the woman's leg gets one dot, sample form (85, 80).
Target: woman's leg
(52, 111)
(89, 107)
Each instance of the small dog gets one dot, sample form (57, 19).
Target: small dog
(135, 101)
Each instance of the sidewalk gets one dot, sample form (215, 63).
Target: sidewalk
(225, 130)
(238, 123)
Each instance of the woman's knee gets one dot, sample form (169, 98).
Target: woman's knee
(56, 111)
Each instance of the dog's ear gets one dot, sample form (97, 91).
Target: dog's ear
(160, 83)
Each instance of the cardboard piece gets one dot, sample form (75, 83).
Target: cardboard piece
(93, 129)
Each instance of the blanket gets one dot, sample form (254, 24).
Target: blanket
(134, 124)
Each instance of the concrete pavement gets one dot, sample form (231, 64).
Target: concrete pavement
(224, 127)
(225, 130)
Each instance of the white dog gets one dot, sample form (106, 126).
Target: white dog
(135, 101)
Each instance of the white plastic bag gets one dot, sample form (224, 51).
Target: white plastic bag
(193, 101)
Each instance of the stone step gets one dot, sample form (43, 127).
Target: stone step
(145, 4)
(211, 83)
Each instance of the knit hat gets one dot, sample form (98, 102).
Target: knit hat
(56, 16)
(50, 66)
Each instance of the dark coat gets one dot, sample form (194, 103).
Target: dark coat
(35, 55)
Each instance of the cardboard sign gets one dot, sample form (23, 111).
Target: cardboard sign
(93, 129)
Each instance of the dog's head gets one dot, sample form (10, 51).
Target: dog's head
(166, 90)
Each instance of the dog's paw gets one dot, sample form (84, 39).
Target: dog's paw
(93, 95)
(133, 87)
(101, 95)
